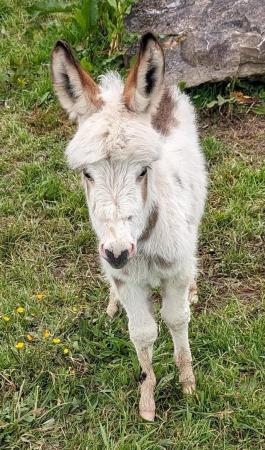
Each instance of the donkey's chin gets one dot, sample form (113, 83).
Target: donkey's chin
(117, 266)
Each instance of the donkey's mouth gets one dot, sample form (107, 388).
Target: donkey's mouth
(117, 262)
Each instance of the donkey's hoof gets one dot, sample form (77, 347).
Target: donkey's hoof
(193, 294)
(111, 310)
(147, 414)
(194, 298)
(188, 387)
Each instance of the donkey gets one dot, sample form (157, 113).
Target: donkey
(145, 183)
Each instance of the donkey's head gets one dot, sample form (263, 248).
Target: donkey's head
(115, 145)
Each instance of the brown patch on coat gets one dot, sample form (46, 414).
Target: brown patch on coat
(178, 180)
(142, 377)
(158, 260)
(105, 135)
(162, 262)
(144, 188)
(151, 223)
(163, 120)
(118, 282)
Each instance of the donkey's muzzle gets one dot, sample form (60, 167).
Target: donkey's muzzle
(119, 261)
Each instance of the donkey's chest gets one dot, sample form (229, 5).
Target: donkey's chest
(146, 269)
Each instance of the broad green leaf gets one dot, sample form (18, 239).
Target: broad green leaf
(212, 104)
(259, 109)
(221, 100)
(89, 12)
(112, 3)
(50, 7)
(182, 85)
(86, 65)
(44, 98)
(81, 20)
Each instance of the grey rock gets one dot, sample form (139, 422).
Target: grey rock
(205, 40)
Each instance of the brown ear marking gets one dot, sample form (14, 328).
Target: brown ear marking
(87, 82)
(130, 84)
(150, 75)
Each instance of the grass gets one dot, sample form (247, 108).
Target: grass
(87, 398)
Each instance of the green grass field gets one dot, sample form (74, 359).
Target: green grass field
(82, 392)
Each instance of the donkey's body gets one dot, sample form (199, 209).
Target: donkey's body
(146, 219)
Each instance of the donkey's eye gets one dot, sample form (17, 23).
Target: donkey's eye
(143, 173)
(88, 176)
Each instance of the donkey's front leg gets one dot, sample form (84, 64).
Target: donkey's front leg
(143, 333)
(176, 313)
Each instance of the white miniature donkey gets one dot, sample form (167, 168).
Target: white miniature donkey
(145, 183)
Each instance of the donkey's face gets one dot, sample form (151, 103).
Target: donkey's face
(115, 145)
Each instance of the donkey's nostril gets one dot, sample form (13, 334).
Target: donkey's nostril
(117, 262)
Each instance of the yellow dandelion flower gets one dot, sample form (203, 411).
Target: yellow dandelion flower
(56, 340)
(66, 351)
(46, 333)
(75, 309)
(29, 337)
(21, 82)
(19, 345)
(20, 310)
(6, 318)
(40, 296)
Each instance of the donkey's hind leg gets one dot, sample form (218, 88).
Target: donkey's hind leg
(193, 293)
(113, 304)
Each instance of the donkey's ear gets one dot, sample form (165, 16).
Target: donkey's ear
(144, 85)
(77, 92)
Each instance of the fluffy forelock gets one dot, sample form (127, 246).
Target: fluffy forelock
(112, 132)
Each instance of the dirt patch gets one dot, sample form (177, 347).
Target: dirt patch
(245, 133)
(218, 292)
(42, 121)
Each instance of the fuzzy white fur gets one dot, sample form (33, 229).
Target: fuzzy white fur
(113, 145)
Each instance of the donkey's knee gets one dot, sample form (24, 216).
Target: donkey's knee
(175, 320)
(143, 335)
